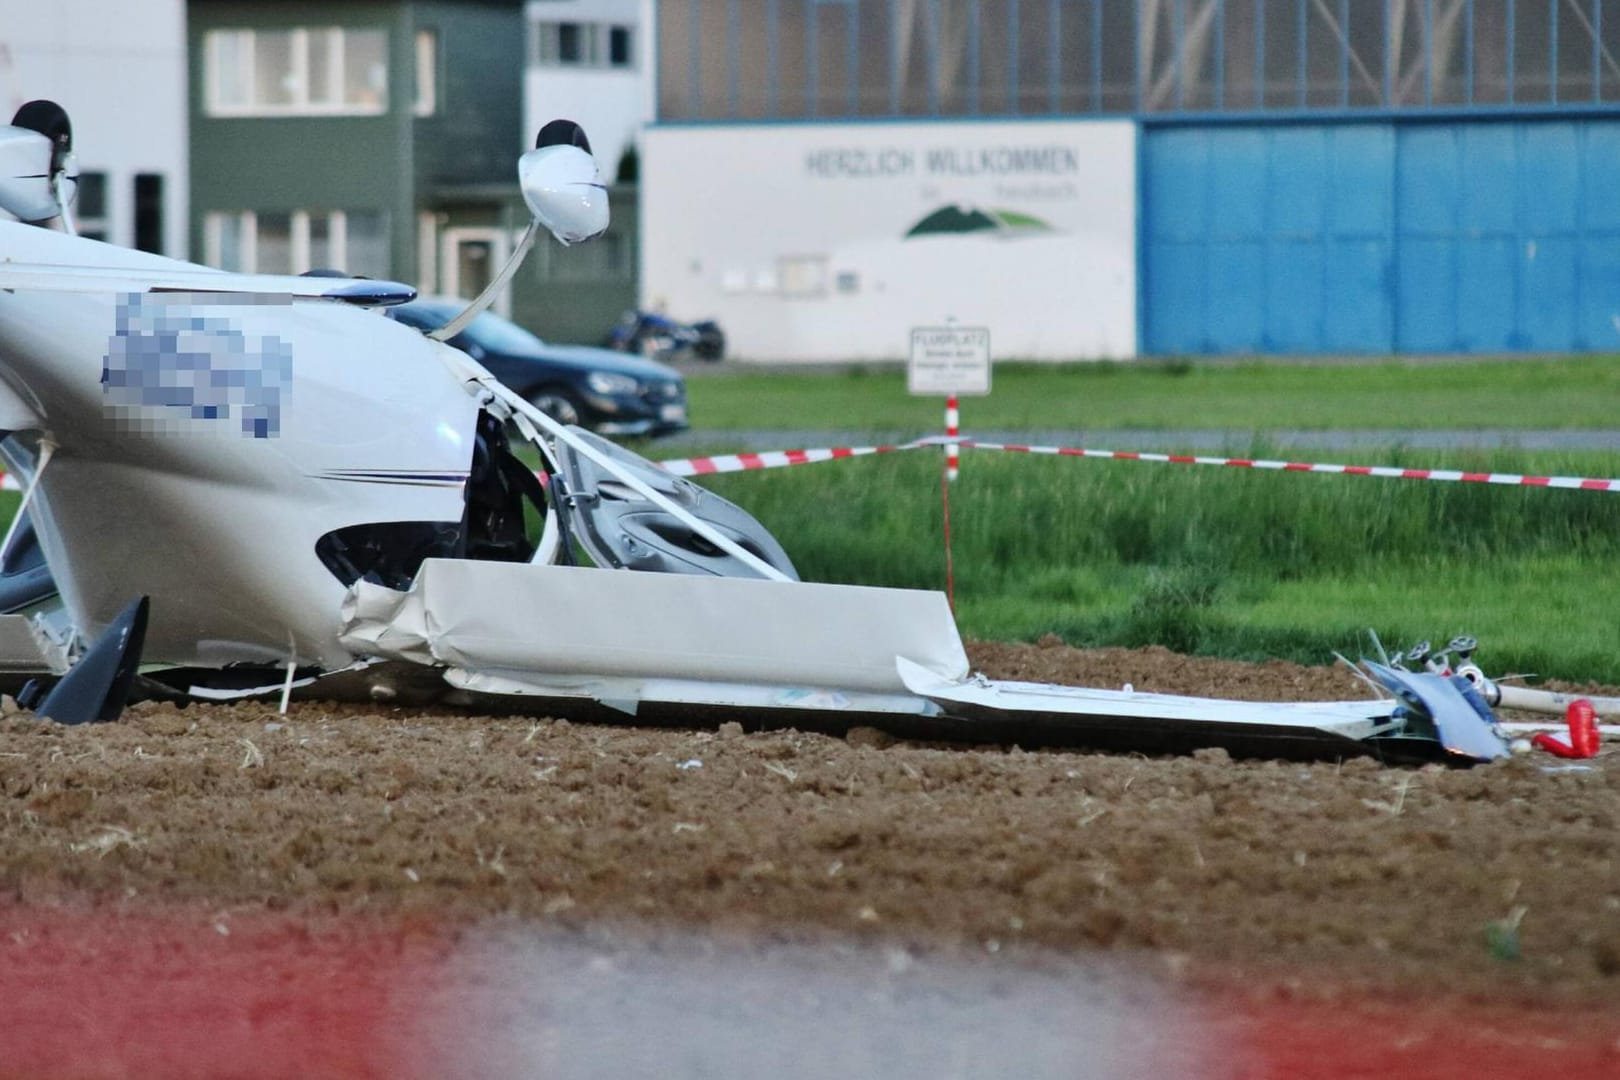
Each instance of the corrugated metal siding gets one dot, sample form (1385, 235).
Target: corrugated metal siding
(1268, 240)
(1483, 237)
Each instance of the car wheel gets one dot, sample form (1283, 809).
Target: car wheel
(557, 403)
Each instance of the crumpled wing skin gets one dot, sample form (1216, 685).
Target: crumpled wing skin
(625, 639)
(1124, 719)
(543, 622)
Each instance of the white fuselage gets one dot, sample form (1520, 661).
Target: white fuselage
(201, 444)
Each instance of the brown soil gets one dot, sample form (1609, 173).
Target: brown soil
(1499, 881)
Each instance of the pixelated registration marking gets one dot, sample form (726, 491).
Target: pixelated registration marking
(170, 362)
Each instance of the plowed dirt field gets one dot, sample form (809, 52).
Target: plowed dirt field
(246, 876)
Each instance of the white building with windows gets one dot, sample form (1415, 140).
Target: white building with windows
(122, 81)
(590, 61)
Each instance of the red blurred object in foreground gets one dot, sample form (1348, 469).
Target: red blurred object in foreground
(1584, 740)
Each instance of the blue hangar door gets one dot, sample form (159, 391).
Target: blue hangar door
(1377, 238)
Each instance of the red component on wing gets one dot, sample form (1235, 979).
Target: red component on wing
(1583, 730)
(1554, 745)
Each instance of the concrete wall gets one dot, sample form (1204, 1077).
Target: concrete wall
(800, 238)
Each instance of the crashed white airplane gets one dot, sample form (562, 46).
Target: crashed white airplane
(240, 483)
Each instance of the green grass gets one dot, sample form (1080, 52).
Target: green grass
(1204, 559)
(1576, 393)
(1222, 561)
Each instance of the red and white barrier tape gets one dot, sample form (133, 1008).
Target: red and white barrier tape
(774, 459)
(1579, 483)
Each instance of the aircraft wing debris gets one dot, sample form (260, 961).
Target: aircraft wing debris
(559, 625)
(629, 640)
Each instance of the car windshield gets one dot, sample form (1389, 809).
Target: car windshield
(499, 335)
(489, 331)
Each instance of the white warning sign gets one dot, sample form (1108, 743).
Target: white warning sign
(949, 360)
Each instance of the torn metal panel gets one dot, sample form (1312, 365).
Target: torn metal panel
(1462, 721)
(563, 625)
(548, 636)
(628, 695)
(1119, 718)
(25, 648)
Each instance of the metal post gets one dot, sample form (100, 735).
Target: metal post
(695, 74)
(974, 76)
(1552, 54)
(1468, 52)
(1301, 60)
(1259, 54)
(895, 52)
(772, 45)
(1178, 38)
(733, 57)
(1428, 52)
(1054, 55)
(1096, 55)
(812, 60)
(933, 17)
(852, 57)
(1344, 54)
(1512, 45)
(1597, 51)
(1013, 74)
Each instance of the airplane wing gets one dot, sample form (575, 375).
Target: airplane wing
(51, 277)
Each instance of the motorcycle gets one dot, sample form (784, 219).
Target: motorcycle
(659, 337)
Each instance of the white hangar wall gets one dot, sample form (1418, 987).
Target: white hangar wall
(829, 242)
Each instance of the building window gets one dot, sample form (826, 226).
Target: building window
(328, 70)
(802, 276)
(581, 44)
(272, 242)
(149, 212)
(565, 44)
(427, 73)
(91, 208)
(619, 54)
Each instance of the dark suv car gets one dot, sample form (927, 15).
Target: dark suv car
(600, 389)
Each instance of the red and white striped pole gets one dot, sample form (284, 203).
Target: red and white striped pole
(953, 419)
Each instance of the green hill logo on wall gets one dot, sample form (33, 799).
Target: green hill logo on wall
(972, 219)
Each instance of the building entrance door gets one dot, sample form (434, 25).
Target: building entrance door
(471, 257)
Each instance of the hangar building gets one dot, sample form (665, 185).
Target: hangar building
(1103, 178)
